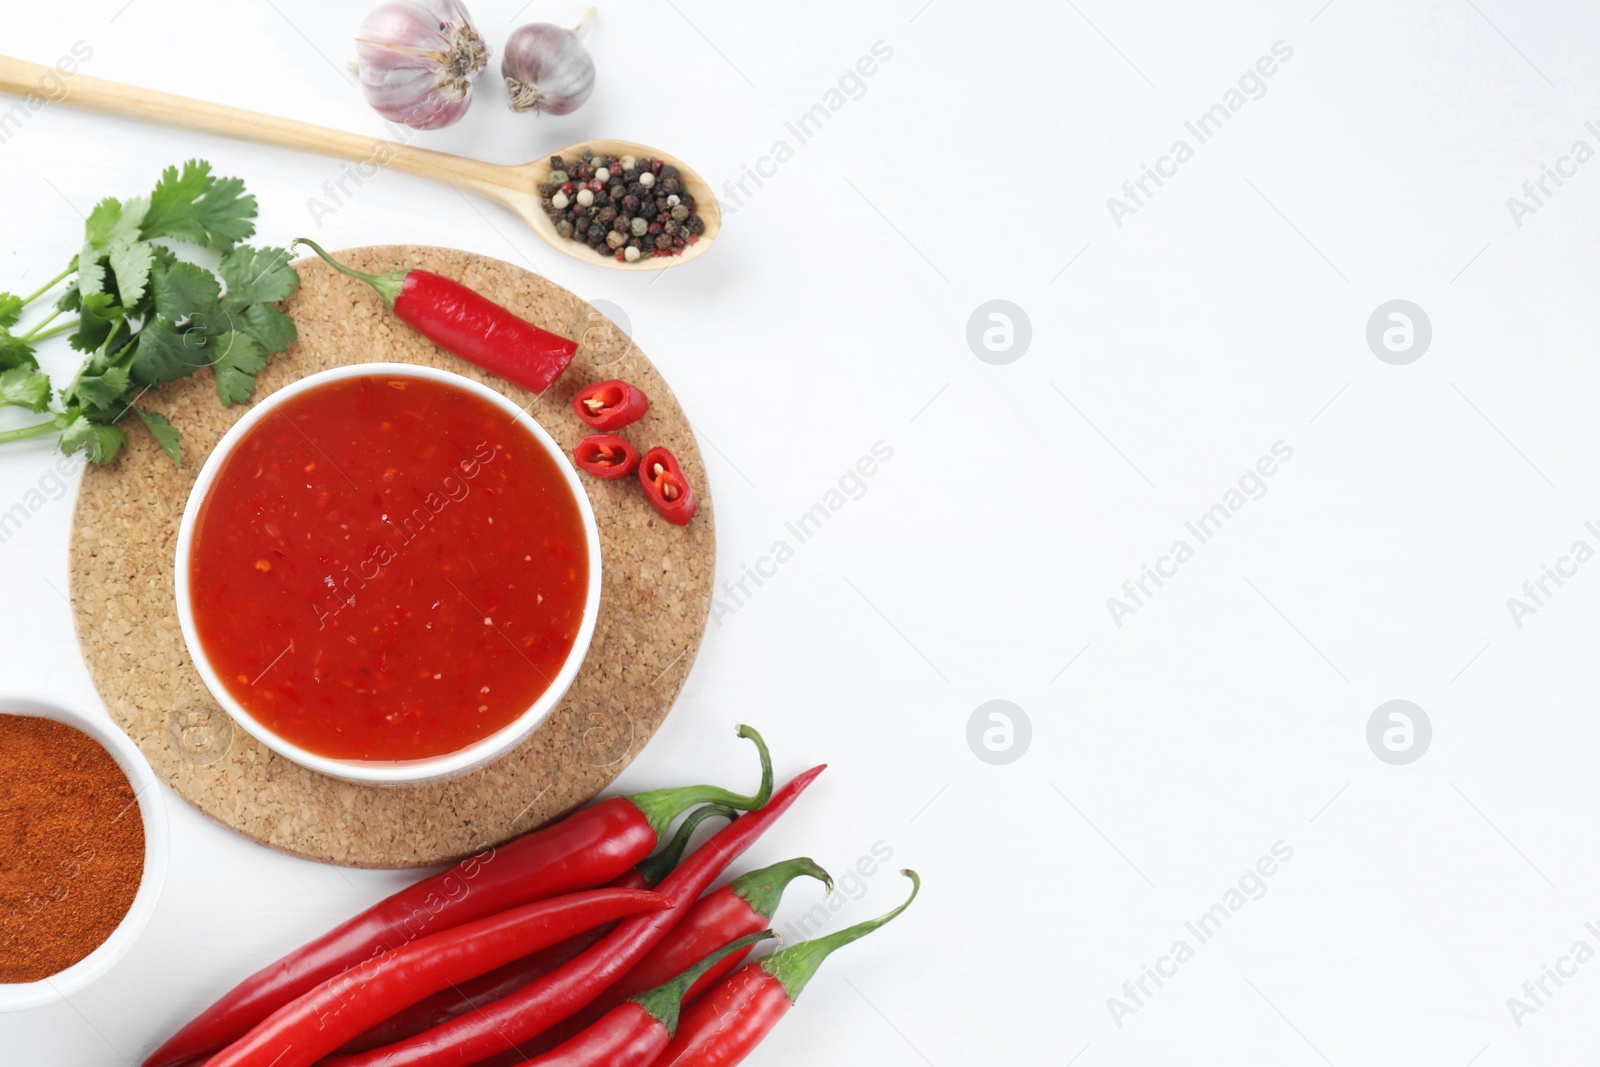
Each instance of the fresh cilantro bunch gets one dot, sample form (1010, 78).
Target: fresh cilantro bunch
(146, 317)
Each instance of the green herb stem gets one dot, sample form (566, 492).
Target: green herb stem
(51, 284)
(38, 429)
(38, 333)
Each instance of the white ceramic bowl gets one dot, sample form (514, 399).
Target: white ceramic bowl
(15, 996)
(391, 772)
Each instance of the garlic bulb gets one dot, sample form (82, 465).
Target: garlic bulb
(547, 68)
(418, 59)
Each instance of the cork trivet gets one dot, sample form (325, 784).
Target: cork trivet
(655, 596)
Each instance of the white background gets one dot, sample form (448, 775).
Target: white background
(1227, 314)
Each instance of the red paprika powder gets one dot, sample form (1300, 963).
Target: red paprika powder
(71, 846)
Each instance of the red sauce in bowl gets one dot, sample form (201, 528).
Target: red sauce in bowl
(387, 568)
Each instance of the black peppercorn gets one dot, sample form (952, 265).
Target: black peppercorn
(564, 228)
(631, 204)
(663, 242)
(687, 201)
(696, 225)
(669, 227)
(606, 215)
(557, 163)
(596, 231)
(670, 186)
(648, 208)
(679, 212)
(668, 171)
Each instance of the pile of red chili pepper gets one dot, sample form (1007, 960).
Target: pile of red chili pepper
(611, 405)
(577, 945)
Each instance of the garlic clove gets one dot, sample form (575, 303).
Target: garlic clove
(418, 59)
(546, 68)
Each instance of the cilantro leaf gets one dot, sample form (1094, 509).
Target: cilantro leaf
(91, 272)
(164, 432)
(194, 206)
(236, 358)
(24, 387)
(97, 442)
(114, 222)
(103, 390)
(271, 328)
(165, 355)
(15, 352)
(131, 263)
(183, 290)
(10, 310)
(257, 276)
(98, 319)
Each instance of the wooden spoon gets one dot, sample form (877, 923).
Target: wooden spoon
(515, 187)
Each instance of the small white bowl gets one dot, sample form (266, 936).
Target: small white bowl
(15, 996)
(391, 772)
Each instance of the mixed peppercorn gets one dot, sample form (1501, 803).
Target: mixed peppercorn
(621, 206)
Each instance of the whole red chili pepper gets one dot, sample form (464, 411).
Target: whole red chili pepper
(311, 1026)
(605, 455)
(666, 487)
(633, 1034)
(724, 1026)
(742, 907)
(545, 1001)
(582, 851)
(610, 405)
(463, 997)
(468, 324)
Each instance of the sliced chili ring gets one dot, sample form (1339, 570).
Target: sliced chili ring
(605, 455)
(610, 405)
(666, 487)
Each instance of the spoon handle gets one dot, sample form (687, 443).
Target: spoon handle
(45, 85)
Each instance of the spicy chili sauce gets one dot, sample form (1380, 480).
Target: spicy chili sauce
(387, 568)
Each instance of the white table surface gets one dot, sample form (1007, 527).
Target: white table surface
(1227, 313)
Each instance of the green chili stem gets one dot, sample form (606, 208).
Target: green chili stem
(663, 806)
(794, 966)
(664, 1001)
(656, 868)
(388, 285)
(763, 889)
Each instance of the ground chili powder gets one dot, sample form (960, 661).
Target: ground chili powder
(71, 846)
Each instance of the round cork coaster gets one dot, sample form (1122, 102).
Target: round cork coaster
(655, 596)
